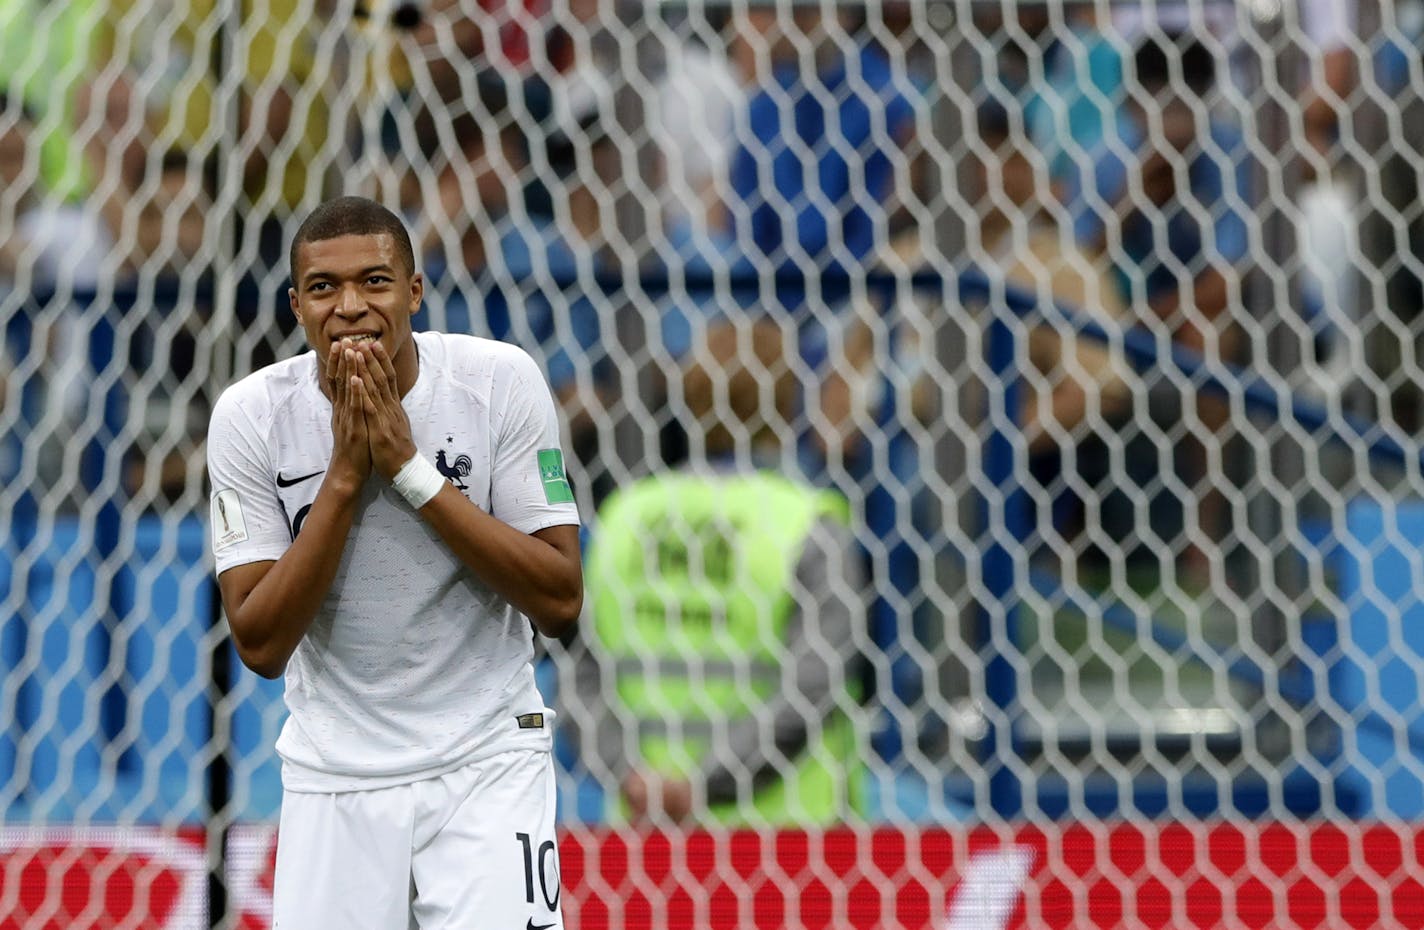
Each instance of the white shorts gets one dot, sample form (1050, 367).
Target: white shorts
(471, 849)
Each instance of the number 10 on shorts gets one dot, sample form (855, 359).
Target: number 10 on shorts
(546, 861)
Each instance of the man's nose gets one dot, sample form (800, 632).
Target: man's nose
(350, 303)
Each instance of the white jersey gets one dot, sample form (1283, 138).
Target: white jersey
(412, 666)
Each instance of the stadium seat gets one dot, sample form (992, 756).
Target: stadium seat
(136, 638)
(1375, 677)
(54, 745)
(257, 712)
(164, 604)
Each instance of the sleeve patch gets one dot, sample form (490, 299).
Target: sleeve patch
(229, 527)
(551, 473)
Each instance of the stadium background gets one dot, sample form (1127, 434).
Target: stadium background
(1154, 666)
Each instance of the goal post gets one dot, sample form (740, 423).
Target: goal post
(1081, 338)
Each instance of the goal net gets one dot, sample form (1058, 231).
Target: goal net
(993, 420)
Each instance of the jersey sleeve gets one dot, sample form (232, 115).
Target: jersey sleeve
(245, 515)
(530, 484)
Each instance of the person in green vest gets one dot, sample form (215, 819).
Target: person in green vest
(721, 665)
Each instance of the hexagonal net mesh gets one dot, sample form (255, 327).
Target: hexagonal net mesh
(994, 424)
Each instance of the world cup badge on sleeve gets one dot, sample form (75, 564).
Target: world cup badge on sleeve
(229, 528)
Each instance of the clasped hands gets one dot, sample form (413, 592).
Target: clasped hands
(369, 427)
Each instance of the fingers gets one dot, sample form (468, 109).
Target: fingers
(350, 378)
(371, 373)
(375, 394)
(337, 372)
(346, 370)
(352, 392)
(362, 404)
(373, 365)
(378, 372)
(387, 426)
(350, 445)
(365, 393)
(383, 359)
(333, 362)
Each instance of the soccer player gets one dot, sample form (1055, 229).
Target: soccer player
(387, 511)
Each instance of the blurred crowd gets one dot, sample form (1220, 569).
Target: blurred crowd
(541, 152)
(694, 193)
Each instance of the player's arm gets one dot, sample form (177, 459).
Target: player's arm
(270, 605)
(540, 573)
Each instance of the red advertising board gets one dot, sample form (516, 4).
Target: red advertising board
(88, 878)
(1118, 875)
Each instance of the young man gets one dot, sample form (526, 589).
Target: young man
(386, 513)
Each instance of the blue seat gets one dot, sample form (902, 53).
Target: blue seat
(164, 604)
(900, 794)
(173, 647)
(1376, 675)
(109, 667)
(257, 712)
(53, 647)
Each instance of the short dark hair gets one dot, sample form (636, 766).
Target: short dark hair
(1152, 63)
(352, 216)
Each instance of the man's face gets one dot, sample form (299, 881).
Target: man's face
(357, 287)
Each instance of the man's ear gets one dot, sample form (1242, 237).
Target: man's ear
(417, 291)
(296, 305)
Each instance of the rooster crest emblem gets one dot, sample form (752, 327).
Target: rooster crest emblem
(456, 470)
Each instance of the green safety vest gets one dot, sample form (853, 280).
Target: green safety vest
(44, 68)
(690, 580)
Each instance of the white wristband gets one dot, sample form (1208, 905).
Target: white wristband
(418, 481)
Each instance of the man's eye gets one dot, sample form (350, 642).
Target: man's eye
(319, 286)
(378, 279)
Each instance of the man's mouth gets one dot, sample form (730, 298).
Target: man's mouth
(360, 337)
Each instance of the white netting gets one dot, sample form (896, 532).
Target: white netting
(1101, 321)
